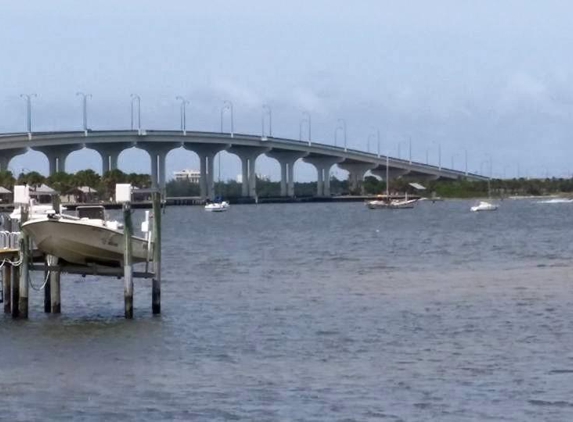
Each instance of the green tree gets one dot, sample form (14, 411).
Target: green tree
(32, 178)
(7, 179)
(61, 182)
(86, 178)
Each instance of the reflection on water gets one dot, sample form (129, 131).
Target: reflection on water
(316, 312)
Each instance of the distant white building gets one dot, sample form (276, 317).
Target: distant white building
(192, 176)
(263, 177)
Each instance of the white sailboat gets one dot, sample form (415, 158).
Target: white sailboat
(86, 239)
(386, 202)
(485, 205)
(217, 205)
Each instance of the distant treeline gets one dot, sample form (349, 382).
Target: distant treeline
(373, 186)
(66, 182)
(105, 185)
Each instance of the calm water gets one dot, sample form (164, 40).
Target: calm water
(317, 312)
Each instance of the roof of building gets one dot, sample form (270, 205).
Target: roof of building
(84, 189)
(417, 186)
(4, 190)
(43, 189)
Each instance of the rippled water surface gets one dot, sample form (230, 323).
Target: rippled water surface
(316, 312)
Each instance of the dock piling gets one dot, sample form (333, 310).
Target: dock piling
(47, 290)
(24, 274)
(128, 260)
(7, 287)
(15, 292)
(156, 233)
(55, 300)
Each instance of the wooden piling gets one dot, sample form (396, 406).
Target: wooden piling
(128, 260)
(7, 287)
(24, 274)
(156, 239)
(55, 300)
(47, 290)
(15, 292)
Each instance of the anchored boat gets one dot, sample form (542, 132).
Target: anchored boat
(86, 239)
(217, 206)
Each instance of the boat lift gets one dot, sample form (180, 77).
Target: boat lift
(19, 259)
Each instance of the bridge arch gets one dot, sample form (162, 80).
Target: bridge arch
(82, 159)
(28, 161)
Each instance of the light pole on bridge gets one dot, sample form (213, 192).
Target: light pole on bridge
(183, 112)
(84, 109)
(439, 154)
(307, 119)
(409, 150)
(266, 111)
(343, 128)
(135, 97)
(453, 157)
(227, 105)
(28, 98)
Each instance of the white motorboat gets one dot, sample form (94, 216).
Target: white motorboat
(484, 206)
(35, 211)
(86, 239)
(217, 206)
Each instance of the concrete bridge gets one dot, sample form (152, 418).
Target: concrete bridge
(109, 144)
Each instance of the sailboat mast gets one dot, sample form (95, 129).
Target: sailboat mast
(387, 174)
(219, 173)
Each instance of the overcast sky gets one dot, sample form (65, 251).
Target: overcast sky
(490, 76)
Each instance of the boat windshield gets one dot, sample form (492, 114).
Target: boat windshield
(95, 212)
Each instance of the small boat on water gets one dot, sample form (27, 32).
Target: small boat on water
(484, 206)
(387, 203)
(88, 238)
(217, 206)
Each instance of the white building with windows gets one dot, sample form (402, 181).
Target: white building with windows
(192, 176)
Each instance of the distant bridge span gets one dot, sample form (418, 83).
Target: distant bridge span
(109, 144)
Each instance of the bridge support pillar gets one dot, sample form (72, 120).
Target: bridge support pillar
(109, 154)
(356, 172)
(57, 155)
(248, 156)
(158, 153)
(6, 156)
(207, 154)
(323, 165)
(286, 159)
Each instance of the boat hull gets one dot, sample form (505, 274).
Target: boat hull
(217, 207)
(394, 205)
(83, 244)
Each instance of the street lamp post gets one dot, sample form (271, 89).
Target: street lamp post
(343, 127)
(466, 155)
(267, 111)
(368, 143)
(183, 112)
(84, 110)
(28, 98)
(135, 97)
(227, 105)
(307, 119)
(439, 155)
(453, 157)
